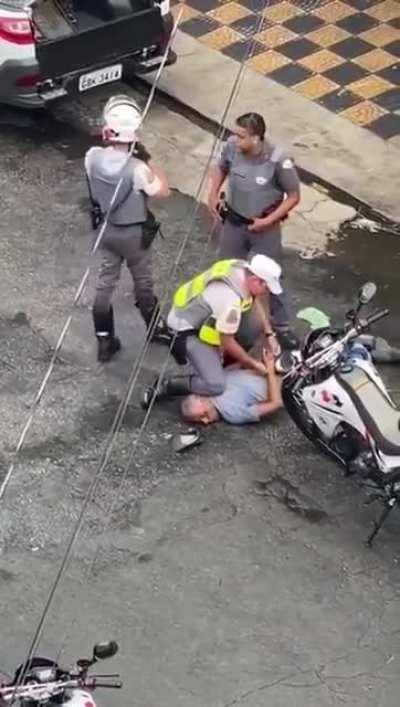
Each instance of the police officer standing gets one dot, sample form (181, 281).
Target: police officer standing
(131, 227)
(206, 316)
(262, 188)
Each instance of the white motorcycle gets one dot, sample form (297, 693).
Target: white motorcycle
(41, 681)
(336, 397)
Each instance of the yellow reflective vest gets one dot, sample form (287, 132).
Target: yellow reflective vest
(189, 291)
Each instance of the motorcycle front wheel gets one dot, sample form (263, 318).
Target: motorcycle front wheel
(298, 412)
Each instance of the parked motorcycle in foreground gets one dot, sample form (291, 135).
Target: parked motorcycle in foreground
(336, 397)
(42, 681)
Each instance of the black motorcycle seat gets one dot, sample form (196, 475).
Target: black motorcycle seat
(381, 418)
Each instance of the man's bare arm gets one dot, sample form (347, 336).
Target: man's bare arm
(158, 173)
(217, 178)
(230, 346)
(274, 401)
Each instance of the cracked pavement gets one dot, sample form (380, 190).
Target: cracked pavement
(234, 574)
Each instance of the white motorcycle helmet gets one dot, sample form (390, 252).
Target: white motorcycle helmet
(122, 118)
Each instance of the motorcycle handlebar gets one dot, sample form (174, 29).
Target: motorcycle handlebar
(97, 683)
(91, 683)
(321, 356)
(32, 690)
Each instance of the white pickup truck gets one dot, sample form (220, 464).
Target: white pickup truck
(50, 48)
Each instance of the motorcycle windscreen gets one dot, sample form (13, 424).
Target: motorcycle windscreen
(100, 44)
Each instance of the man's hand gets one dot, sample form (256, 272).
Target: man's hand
(274, 401)
(259, 368)
(230, 347)
(260, 224)
(269, 361)
(272, 345)
(276, 216)
(217, 179)
(213, 203)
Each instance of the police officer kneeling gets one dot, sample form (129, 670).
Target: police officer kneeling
(205, 320)
(131, 227)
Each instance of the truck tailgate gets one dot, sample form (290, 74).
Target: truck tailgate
(103, 44)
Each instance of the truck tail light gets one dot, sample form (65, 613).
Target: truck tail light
(162, 41)
(16, 31)
(28, 81)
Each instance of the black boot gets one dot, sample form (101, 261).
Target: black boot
(161, 332)
(107, 347)
(168, 388)
(107, 343)
(155, 332)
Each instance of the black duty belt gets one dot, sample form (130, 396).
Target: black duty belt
(235, 218)
(238, 220)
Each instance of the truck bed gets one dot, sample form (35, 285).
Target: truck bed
(71, 36)
(61, 18)
(49, 21)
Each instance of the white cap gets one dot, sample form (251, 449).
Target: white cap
(268, 270)
(122, 118)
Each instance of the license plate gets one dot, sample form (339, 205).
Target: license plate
(99, 77)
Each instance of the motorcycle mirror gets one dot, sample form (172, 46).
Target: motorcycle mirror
(367, 293)
(84, 663)
(108, 649)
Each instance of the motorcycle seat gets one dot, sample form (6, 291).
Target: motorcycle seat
(381, 418)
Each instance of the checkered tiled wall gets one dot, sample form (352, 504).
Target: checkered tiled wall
(342, 54)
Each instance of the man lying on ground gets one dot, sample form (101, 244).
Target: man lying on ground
(248, 397)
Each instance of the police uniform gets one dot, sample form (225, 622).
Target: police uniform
(214, 302)
(256, 185)
(204, 308)
(123, 236)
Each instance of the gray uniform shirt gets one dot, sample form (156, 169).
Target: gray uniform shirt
(220, 300)
(257, 183)
(105, 166)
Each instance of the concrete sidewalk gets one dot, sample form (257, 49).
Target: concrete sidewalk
(328, 146)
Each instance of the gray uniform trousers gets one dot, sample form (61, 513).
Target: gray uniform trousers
(236, 241)
(209, 377)
(119, 244)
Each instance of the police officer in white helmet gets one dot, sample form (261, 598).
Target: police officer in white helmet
(131, 227)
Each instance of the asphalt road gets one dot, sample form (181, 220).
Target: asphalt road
(234, 574)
